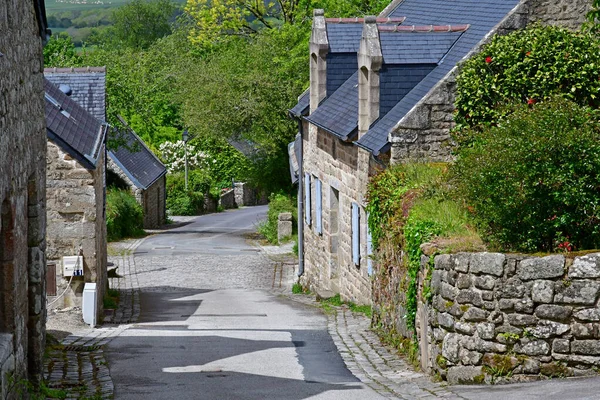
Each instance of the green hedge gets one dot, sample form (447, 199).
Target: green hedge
(526, 67)
(190, 202)
(533, 182)
(124, 215)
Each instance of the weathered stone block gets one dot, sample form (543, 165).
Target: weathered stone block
(446, 320)
(531, 366)
(486, 330)
(586, 347)
(451, 347)
(442, 262)
(541, 268)
(475, 314)
(587, 266)
(487, 263)
(464, 328)
(465, 375)
(436, 281)
(469, 297)
(521, 319)
(548, 329)
(468, 357)
(463, 281)
(451, 277)
(576, 292)
(542, 291)
(556, 313)
(506, 304)
(484, 346)
(524, 306)
(589, 314)
(512, 288)
(448, 292)
(485, 282)
(561, 346)
(582, 331)
(460, 262)
(532, 348)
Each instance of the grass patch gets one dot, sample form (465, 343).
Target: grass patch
(111, 299)
(329, 305)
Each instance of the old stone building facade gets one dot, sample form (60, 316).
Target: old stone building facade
(382, 91)
(75, 198)
(22, 193)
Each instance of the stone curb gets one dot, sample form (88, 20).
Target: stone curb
(371, 362)
(79, 366)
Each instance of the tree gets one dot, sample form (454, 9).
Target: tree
(215, 18)
(60, 52)
(140, 23)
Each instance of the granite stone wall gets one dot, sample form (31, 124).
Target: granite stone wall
(22, 196)
(495, 317)
(76, 217)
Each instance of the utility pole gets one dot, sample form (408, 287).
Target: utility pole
(185, 138)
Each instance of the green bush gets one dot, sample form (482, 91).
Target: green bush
(278, 203)
(533, 181)
(190, 202)
(526, 67)
(124, 216)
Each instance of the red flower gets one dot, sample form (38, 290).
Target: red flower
(528, 53)
(531, 101)
(488, 59)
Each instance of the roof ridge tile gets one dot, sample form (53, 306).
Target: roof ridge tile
(424, 28)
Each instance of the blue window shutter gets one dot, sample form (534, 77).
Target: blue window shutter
(355, 234)
(307, 209)
(369, 249)
(319, 206)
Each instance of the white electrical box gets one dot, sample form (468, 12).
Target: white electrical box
(88, 305)
(73, 266)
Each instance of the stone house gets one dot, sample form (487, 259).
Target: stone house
(23, 30)
(382, 91)
(137, 168)
(75, 194)
(134, 165)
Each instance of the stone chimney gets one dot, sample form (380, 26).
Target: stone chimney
(319, 46)
(370, 59)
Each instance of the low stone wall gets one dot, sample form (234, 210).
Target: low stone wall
(495, 317)
(227, 199)
(244, 194)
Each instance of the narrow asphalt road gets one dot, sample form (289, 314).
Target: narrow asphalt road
(211, 327)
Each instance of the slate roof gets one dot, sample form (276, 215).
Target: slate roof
(137, 161)
(301, 109)
(88, 87)
(72, 128)
(481, 15)
(408, 58)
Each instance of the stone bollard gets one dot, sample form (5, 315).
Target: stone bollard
(284, 226)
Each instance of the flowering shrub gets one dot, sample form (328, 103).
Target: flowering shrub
(532, 182)
(172, 154)
(526, 67)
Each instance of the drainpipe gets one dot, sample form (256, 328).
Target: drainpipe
(300, 155)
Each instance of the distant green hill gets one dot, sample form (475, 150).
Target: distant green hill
(79, 18)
